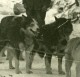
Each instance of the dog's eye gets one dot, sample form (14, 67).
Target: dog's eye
(32, 24)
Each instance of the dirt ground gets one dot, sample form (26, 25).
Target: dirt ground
(38, 68)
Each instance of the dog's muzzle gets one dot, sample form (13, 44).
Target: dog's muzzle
(35, 32)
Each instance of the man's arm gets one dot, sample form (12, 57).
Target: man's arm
(47, 3)
(23, 1)
(77, 3)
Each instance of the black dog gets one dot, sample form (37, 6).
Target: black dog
(52, 40)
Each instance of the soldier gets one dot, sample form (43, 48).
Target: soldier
(37, 9)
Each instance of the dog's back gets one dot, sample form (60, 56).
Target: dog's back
(73, 48)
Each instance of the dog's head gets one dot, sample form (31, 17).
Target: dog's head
(30, 25)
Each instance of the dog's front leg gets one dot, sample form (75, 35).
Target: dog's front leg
(22, 48)
(48, 63)
(17, 54)
(60, 65)
(78, 69)
(21, 56)
(68, 64)
(10, 57)
(29, 58)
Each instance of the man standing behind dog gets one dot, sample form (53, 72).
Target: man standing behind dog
(37, 9)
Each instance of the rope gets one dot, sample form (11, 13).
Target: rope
(63, 24)
(56, 56)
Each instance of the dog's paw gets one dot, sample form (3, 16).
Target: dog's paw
(62, 72)
(22, 59)
(11, 67)
(7, 58)
(3, 55)
(1, 62)
(18, 72)
(29, 72)
(49, 72)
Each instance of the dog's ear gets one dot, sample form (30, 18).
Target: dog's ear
(23, 17)
(69, 19)
(56, 18)
(23, 30)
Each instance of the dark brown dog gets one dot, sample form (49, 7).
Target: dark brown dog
(16, 30)
(72, 54)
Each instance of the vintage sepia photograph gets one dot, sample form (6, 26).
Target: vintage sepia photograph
(39, 38)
